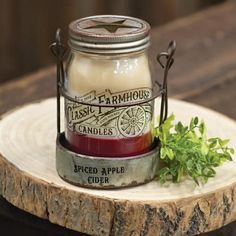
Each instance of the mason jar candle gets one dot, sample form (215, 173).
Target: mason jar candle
(108, 65)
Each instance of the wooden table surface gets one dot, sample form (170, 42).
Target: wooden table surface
(204, 73)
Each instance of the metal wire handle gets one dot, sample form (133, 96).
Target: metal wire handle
(59, 51)
(168, 56)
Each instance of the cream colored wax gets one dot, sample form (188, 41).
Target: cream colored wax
(87, 73)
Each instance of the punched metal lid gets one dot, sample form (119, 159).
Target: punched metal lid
(109, 34)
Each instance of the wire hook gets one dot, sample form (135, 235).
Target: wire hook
(59, 51)
(168, 56)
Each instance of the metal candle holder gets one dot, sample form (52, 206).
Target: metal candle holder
(105, 172)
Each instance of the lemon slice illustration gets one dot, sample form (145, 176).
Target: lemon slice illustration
(131, 121)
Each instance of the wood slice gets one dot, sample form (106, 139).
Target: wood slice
(28, 180)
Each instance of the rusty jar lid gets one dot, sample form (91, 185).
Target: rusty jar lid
(109, 34)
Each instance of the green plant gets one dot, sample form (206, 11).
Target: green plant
(186, 151)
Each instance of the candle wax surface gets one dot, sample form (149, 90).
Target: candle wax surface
(105, 147)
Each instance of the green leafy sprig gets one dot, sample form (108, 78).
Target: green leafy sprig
(186, 151)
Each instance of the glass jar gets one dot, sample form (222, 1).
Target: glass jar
(108, 66)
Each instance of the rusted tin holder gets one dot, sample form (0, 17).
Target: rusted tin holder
(107, 172)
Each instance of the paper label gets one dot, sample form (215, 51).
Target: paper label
(118, 122)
